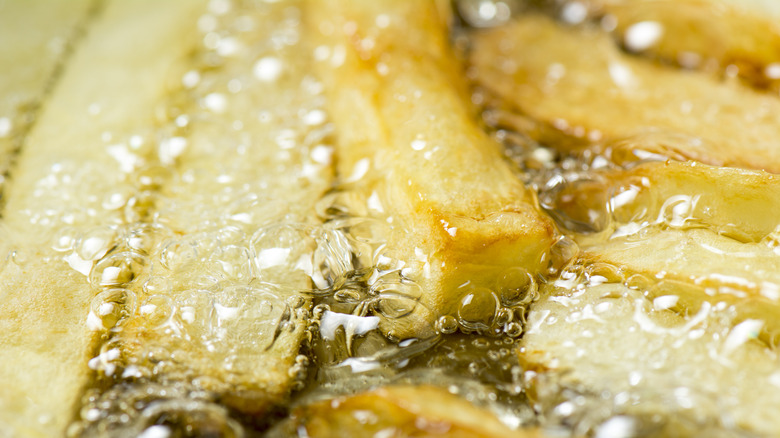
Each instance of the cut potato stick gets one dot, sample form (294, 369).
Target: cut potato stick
(36, 36)
(64, 176)
(714, 229)
(690, 195)
(607, 343)
(701, 266)
(399, 411)
(222, 308)
(579, 90)
(406, 141)
(738, 37)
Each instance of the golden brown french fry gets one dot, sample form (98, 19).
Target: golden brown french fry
(712, 35)
(62, 188)
(407, 142)
(578, 90)
(35, 36)
(399, 411)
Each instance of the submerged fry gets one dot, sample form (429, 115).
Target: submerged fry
(399, 411)
(573, 88)
(672, 304)
(634, 365)
(219, 317)
(407, 143)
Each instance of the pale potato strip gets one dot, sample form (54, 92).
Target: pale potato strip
(62, 178)
(701, 266)
(248, 164)
(714, 229)
(738, 203)
(619, 353)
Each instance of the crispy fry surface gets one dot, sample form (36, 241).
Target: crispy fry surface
(460, 218)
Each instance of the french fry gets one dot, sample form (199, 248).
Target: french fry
(230, 328)
(577, 90)
(634, 363)
(687, 223)
(406, 139)
(64, 175)
(400, 411)
(681, 195)
(701, 34)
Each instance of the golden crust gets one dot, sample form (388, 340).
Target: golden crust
(449, 192)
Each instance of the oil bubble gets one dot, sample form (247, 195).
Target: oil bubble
(597, 273)
(230, 235)
(110, 308)
(478, 308)
(145, 238)
(239, 311)
(157, 310)
(117, 269)
(198, 418)
(332, 257)
(630, 202)
(232, 262)
(396, 299)
(177, 254)
(513, 329)
(279, 248)
(639, 282)
(18, 257)
(447, 324)
(562, 252)
(365, 235)
(504, 316)
(516, 286)
(157, 284)
(347, 295)
(341, 203)
(64, 239)
(94, 243)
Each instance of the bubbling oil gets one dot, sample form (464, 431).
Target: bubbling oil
(181, 286)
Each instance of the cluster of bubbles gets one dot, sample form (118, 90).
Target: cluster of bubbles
(378, 282)
(500, 310)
